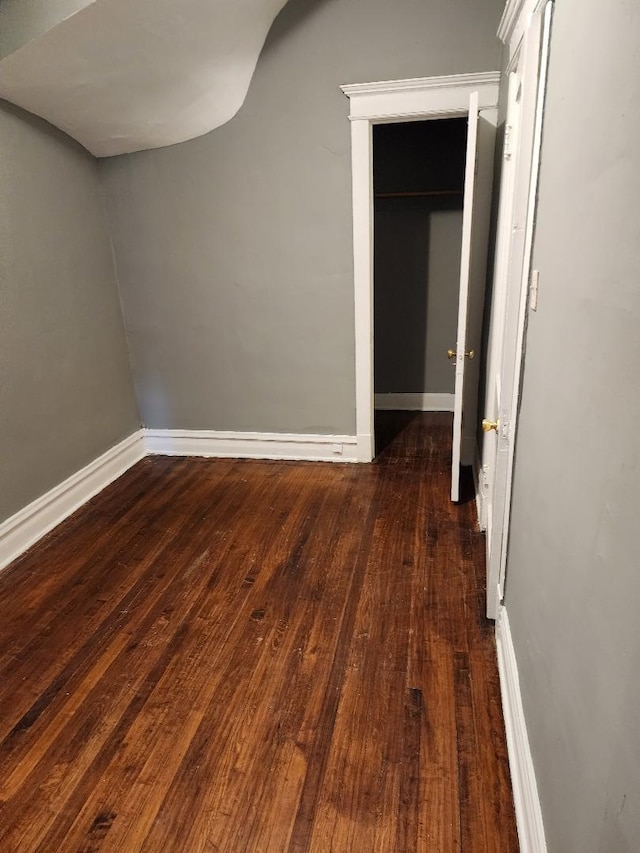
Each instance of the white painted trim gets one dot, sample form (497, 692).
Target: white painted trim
(31, 523)
(421, 83)
(515, 230)
(523, 778)
(253, 445)
(362, 189)
(529, 230)
(471, 169)
(510, 16)
(414, 402)
(370, 103)
(514, 22)
(364, 447)
(421, 97)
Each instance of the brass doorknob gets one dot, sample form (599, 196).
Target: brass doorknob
(487, 425)
(451, 353)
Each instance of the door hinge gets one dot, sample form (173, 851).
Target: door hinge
(504, 429)
(533, 290)
(508, 140)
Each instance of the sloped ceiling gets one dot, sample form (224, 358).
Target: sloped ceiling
(127, 75)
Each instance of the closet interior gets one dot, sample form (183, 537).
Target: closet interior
(418, 181)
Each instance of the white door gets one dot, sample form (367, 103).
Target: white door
(476, 213)
(511, 291)
(505, 310)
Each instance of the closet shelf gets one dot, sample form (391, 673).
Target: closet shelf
(418, 194)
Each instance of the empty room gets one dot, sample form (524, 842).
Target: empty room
(313, 535)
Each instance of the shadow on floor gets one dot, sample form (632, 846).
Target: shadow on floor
(390, 426)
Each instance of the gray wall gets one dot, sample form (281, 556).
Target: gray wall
(65, 388)
(234, 250)
(417, 273)
(417, 247)
(573, 581)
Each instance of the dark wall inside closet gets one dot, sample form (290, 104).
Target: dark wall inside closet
(418, 188)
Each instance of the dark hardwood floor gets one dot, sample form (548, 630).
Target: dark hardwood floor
(223, 655)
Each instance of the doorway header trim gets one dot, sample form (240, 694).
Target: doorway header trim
(515, 19)
(420, 97)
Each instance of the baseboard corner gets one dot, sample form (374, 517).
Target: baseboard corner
(364, 447)
(26, 527)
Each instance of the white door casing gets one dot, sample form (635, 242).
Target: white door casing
(473, 267)
(516, 220)
(374, 103)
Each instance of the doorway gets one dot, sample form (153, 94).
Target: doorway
(472, 96)
(467, 96)
(418, 187)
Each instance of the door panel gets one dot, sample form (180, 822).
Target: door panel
(510, 321)
(473, 266)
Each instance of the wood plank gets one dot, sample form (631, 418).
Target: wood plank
(257, 656)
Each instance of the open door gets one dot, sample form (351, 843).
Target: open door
(473, 269)
(505, 309)
(515, 229)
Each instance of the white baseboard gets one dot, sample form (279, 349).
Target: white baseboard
(365, 450)
(414, 402)
(523, 779)
(31, 523)
(254, 445)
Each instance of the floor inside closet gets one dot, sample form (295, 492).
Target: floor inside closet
(225, 655)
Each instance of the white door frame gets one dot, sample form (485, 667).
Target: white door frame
(514, 289)
(377, 103)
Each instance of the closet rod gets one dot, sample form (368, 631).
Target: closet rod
(419, 193)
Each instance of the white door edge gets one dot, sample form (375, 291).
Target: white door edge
(497, 560)
(526, 274)
(463, 293)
